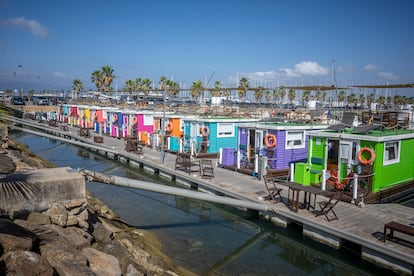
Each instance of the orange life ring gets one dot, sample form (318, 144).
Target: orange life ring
(115, 118)
(134, 120)
(364, 161)
(169, 127)
(270, 140)
(205, 131)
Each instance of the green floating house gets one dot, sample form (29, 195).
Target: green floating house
(383, 159)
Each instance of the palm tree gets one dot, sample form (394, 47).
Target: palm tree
(258, 94)
(162, 82)
(77, 86)
(341, 97)
(362, 100)
(243, 86)
(268, 96)
(381, 100)
(196, 88)
(146, 85)
(130, 86)
(108, 73)
(291, 95)
(275, 94)
(217, 89)
(306, 96)
(282, 93)
(98, 78)
(172, 87)
(370, 99)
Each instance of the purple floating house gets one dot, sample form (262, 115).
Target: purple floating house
(281, 143)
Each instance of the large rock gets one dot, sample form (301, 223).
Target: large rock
(15, 237)
(6, 164)
(101, 263)
(58, 214)
(26, 263)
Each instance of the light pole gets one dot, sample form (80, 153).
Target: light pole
(21, 80)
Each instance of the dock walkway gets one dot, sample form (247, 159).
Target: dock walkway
(360, 226)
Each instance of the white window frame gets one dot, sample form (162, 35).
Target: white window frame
(397, 152)
(220, 134)
(303, 140)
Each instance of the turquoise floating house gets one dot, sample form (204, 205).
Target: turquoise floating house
(206, 135)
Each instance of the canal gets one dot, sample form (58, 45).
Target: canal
(206, 238)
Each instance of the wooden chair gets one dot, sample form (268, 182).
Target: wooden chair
(327, 207)
(272, 188)
(207, 169)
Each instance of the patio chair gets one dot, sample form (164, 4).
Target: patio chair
(207, 169)
(327, 207)
(272, 188)
(346, 122)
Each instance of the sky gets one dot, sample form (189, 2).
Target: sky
(46, 44)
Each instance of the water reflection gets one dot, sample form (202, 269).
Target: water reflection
(205, 237)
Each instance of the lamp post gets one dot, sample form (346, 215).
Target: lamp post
(21, 80)
(163, 129)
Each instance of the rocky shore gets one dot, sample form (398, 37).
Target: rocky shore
(75, 237)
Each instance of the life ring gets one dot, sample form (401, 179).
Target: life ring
(205, 131)
(168, 127)
(95, 117)
(364, 161)
(115, 118)
(270, 140)
(134, 120)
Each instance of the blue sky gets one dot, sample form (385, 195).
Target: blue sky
(269, 42)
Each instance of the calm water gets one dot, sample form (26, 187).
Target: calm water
(203, 237)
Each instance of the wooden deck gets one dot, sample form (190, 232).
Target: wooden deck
(361, 226)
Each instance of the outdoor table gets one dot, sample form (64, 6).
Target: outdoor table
(296, 189)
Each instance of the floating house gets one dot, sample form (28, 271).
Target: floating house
(281, 143)
(207, 135)
(379, 157)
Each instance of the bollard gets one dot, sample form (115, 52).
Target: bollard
(323, 187)
(355, 189)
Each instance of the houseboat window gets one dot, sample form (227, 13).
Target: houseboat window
(295, 139)
(225, 129)
(392, 152)
(148, 120)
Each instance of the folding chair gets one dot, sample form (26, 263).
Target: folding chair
(327, 207)
(207, 168)
(272, 188)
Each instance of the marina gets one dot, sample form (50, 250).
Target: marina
(363, 228)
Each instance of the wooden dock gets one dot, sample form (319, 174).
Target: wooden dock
(361, 227)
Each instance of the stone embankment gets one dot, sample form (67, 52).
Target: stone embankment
(72, 237)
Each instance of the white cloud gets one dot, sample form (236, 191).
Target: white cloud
(310, 68)
(371, 67)
(33, 26)
(387, 75)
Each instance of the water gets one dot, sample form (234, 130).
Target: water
(203, 237)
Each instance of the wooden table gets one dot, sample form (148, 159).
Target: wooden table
(296, 189)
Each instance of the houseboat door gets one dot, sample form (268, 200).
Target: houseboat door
(345, 158)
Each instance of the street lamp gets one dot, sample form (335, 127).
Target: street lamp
(21, 75)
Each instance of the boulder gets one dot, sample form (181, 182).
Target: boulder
(15, 237)
(21, 262)
(6, 164)
(102, 263)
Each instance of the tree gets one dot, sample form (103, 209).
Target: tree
(98, 78)
(130, 86)
(282, 94)
(268, 96)
(243, 87)
(341, 96)
(162, 82)
(291, 95)
(77, 86)
(258, 94)
(196, 88)
(276, 94)
(306, 96)
(172, 87)
(217, 89)
(108, 74)
(362, 99)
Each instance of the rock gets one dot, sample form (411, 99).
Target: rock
(72, 220)
(26, 263)
(65, 259)
(38, 218)
(76, 237)
(75, 203)
(102, 263)
(58, 214)
(6, 164)
(15, 237)
(100, 233)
